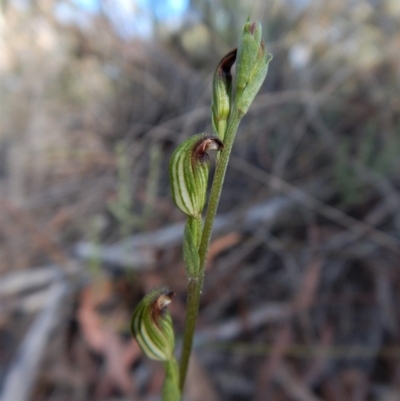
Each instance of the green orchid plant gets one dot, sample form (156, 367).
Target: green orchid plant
(189, 169)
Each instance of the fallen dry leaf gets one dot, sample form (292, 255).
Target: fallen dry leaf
(118, 354)
(199, 386)
(220, 245)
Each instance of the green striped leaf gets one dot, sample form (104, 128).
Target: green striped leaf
(188, 170)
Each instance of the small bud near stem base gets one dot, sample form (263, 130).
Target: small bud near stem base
(152, 328)
(151, 325)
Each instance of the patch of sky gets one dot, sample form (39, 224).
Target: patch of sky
(164, 9)
(130, 17)
(68, 14)
(91, 6)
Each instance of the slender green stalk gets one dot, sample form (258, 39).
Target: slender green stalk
(188, 170)
(170, 391)
(196, 285)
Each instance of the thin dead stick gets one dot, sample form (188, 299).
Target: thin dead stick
(35, 277)
(24, 280)
(138, 252)
(352, 224)
(293, 386)
(41, 237)
(271, 312)
(322, 352)
(273, 361)
(33, 287)
(22, 375)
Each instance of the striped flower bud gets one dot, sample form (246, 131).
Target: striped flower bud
(188, 172)
(152, 325)
(222, 89)
(251, 65)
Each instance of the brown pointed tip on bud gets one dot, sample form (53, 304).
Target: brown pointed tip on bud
(202, 146)
(226, 63)
(254, 29)
(159, 304)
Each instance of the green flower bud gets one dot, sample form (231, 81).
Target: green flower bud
(151, 325)
(252, 66)
(222, 89)
(188, 172)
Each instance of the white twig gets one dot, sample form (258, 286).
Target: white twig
(139, 251)
(28, 279)
(22, 374)
(272, 312)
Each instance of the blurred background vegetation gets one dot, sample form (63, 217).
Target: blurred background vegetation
(302, 296)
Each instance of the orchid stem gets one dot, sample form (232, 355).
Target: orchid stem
(196, 283)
